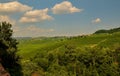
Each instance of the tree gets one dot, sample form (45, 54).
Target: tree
(8, 50)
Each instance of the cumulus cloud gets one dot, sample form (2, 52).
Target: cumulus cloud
(30, 31)
(7, 19)
(97, 20)
(65, 7)
(36, 16)
(13, 7)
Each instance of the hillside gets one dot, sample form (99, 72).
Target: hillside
(31, 46)
(108, 31)
(66, 55)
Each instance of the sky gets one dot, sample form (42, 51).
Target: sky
(35, 18)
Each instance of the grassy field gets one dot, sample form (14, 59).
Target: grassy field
(30, 47)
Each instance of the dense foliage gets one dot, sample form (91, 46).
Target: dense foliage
(8, 50)
(71, 61)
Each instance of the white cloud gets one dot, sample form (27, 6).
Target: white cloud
(7, 19)
(13, 7)
(36, 16)
(97, 20)
(31, 31)
(16, 28)
(37, 29)
(65, 7)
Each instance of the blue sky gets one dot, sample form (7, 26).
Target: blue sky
(36, 18)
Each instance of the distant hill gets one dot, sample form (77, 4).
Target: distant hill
(108, 31)
(22, 38)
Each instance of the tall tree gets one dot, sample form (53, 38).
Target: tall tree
(8, 50)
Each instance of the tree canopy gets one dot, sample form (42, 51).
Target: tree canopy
(8, 50)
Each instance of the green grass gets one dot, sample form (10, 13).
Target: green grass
(31, 47)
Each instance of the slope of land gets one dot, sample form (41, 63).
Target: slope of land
(30, 47)
(86, 55)
(108, 31)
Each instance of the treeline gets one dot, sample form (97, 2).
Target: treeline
(108, 31)
(71, 61)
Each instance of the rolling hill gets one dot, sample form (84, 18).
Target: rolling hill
(70, 56)
(108, 31)
(30, 47)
